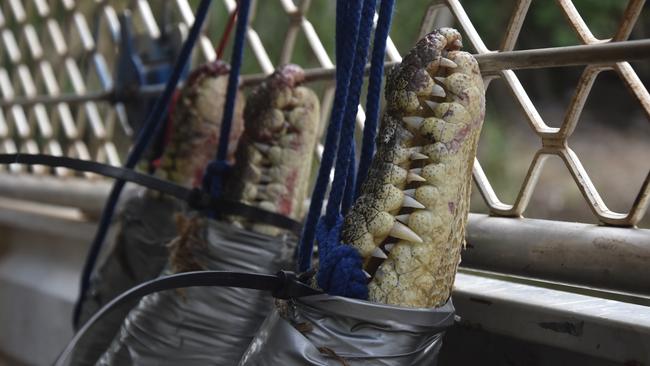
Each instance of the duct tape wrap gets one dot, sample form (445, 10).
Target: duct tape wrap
(139, 253)
(331, 330)
(204, 326)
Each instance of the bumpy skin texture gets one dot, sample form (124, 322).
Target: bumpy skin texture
(275, 154)
(414, 203)
(196, 125)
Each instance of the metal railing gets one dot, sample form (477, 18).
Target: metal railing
(59, 94)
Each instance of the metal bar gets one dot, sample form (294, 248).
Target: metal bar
(588, 255)
(602, 53)
(84, 194)
(490, 63)
(54, 99)
(606, 329)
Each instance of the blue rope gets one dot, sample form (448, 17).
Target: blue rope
(374, 90)
(149, 130)
(341, 268)
(214, 172)
(348, 13)
(348, 194)
(352, 102)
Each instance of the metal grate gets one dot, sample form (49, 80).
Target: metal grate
(58, 59)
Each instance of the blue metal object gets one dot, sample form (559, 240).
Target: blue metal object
(143, 62)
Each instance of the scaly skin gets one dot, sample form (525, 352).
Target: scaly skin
(275, 154)
(415, 201)
(197, 125)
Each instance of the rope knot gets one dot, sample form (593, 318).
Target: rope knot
(341, 266)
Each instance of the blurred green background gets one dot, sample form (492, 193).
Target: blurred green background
(613, 135)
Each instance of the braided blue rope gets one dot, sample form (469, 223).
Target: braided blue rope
(214, 172)
(340, 270)
(151, 126)
(374, 90)
(348, 13)
(348, 193)
(347, 131)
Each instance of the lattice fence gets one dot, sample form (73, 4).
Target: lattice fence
(57, 78)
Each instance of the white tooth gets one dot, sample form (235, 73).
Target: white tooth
(411, 202)
(418, 156)
(402, 231)
(389, 247)
(413, 177)
(367, 274)
(403, 218)
(262, 147)
(431, 104)
(378, 253)
(438, 91)
(413, 121)
(440, 79)
(445, 62)
(410, 192)
(265, 179)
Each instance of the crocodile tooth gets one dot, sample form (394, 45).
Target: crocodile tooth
(411, 202)
(445, 62)
(412, 177)
(262, 147)
(418, 156)
(440, 79)
(378, 253)
(389, 247)
(438, 91)
(431, 104)
(413, 121)
(410, 192)
(402, 231)
(367, 274)
(403, 218)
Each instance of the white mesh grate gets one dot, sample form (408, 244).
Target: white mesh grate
(58, 59)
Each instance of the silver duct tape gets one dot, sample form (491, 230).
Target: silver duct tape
(204, 326)
(330, 330)
(138, 254)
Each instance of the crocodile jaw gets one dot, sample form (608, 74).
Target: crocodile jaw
(414, 203)
(275, 156)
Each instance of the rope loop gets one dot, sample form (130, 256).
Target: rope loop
(213, 175)
(348, 16)
(340, 271)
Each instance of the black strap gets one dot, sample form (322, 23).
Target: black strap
(196, 198)
(283, 285)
